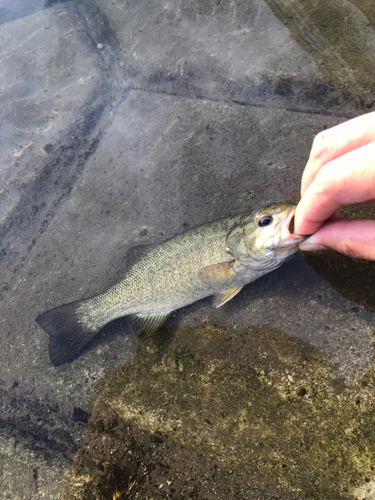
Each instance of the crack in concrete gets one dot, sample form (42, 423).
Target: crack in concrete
(246, 104)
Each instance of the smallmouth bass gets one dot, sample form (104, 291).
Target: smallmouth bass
(218, 259)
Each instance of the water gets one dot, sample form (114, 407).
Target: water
(124, 123)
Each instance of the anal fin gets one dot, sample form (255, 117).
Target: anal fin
(147, 324)
(226, 295)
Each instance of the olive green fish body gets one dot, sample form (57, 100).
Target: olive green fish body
(213, 259)
(166, 278)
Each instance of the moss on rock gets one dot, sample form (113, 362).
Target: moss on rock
(263, 405)
(337, 35)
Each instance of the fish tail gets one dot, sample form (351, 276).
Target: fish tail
(67, 334)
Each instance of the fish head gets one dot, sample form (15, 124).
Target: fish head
(268, 238)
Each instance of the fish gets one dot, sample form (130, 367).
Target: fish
(217, 258)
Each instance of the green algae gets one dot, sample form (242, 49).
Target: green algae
(262, 404)
(367, 7)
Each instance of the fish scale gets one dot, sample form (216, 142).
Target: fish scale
(217, 258)
(162, 280)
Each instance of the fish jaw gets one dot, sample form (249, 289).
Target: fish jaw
(286, 238)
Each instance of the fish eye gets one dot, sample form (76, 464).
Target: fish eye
(265, 220)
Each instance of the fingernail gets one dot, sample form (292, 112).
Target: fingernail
(311, 247)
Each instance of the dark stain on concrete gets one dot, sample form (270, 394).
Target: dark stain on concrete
(36, 423)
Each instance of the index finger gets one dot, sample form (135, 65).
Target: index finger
(347, 179)
(337, 141)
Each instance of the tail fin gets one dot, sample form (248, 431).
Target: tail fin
(67, 334)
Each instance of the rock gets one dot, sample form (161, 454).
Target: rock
(215, 412)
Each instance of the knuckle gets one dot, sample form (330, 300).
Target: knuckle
(321, 146)
(322, 183)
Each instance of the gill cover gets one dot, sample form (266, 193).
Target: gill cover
(255, 240)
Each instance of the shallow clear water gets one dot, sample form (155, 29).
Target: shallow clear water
(124, 123)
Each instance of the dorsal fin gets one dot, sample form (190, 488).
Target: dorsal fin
(135, 254)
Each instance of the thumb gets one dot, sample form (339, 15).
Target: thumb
(355, 238)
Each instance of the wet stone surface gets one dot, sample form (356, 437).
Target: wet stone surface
(205, 412)
(124, 123)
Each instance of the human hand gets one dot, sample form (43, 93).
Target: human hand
(340, 170)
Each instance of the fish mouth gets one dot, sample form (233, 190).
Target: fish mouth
(287, 236)
(291, 224)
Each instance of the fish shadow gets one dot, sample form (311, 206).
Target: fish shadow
(120, 327)
(123, 327)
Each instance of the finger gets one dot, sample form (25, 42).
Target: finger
(337, 141)
(348, 179)
(335, 215)
(355, 238)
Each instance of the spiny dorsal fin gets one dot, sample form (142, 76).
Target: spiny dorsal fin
(226, 295)
(135, 254)
(147, 324)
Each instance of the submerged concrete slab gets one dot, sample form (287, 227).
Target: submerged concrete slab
(53, 93)
(231, 51)
(340, 37)
(124, 124)
(143, 184)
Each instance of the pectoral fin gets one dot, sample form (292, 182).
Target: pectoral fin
(221, 274)
(226, 295)
(147, 324)
(218, 273)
